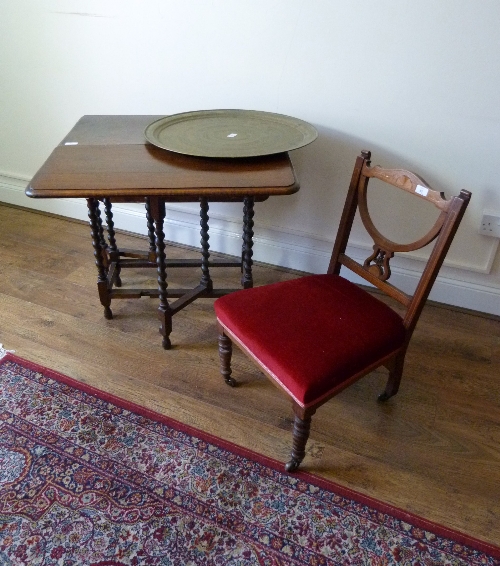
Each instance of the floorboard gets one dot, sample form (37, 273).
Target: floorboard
(434, 449)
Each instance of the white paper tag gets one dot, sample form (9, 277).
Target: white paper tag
(422, 190)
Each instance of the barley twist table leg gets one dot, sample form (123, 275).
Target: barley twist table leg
(151, 231)
(112, 239)
(102, 280)
(206, 281)
(247, 252)
(102, 239)
(157, 207)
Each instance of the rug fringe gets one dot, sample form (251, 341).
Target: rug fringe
(4, 352)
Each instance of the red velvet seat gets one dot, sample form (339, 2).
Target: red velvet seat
(306, 332)
(315, 335)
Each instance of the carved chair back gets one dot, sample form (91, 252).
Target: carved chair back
(376, 268)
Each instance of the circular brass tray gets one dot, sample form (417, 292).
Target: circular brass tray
(229, 133)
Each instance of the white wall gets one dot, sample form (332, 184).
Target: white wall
(417, 83)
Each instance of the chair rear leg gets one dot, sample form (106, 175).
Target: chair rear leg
(225, 353)
(301, 428)
(395, 375)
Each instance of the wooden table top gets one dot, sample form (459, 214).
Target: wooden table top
(108, 156)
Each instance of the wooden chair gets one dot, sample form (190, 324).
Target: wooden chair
(315, 335)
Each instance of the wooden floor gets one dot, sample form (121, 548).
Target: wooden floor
(434, 449)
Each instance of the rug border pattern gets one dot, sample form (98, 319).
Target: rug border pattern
(454, 536)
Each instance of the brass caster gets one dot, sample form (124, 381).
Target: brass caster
(292, 465)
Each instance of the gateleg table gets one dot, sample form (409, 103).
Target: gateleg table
(106, 160)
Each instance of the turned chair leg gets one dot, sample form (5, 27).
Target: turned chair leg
(395, 375)
(225, 353)
(301, 428)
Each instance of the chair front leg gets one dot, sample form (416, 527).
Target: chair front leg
(301, 428)
(225, 353)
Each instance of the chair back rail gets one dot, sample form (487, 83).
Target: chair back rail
(409, 182)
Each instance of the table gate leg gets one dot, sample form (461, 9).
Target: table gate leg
(247, 252)
(206, 281)
(102, 239)
(102, 280)
(151, 231)
(112, 240)
(157, 209)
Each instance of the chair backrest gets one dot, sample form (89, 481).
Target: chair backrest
(376, 268)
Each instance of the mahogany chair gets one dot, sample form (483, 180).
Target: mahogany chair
(315, 335)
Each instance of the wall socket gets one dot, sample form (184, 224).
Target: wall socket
(490, 225)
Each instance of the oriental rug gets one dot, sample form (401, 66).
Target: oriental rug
(89, 479)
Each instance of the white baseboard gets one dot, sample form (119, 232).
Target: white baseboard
(287, 248)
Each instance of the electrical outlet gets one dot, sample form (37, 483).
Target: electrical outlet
(490, 225)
